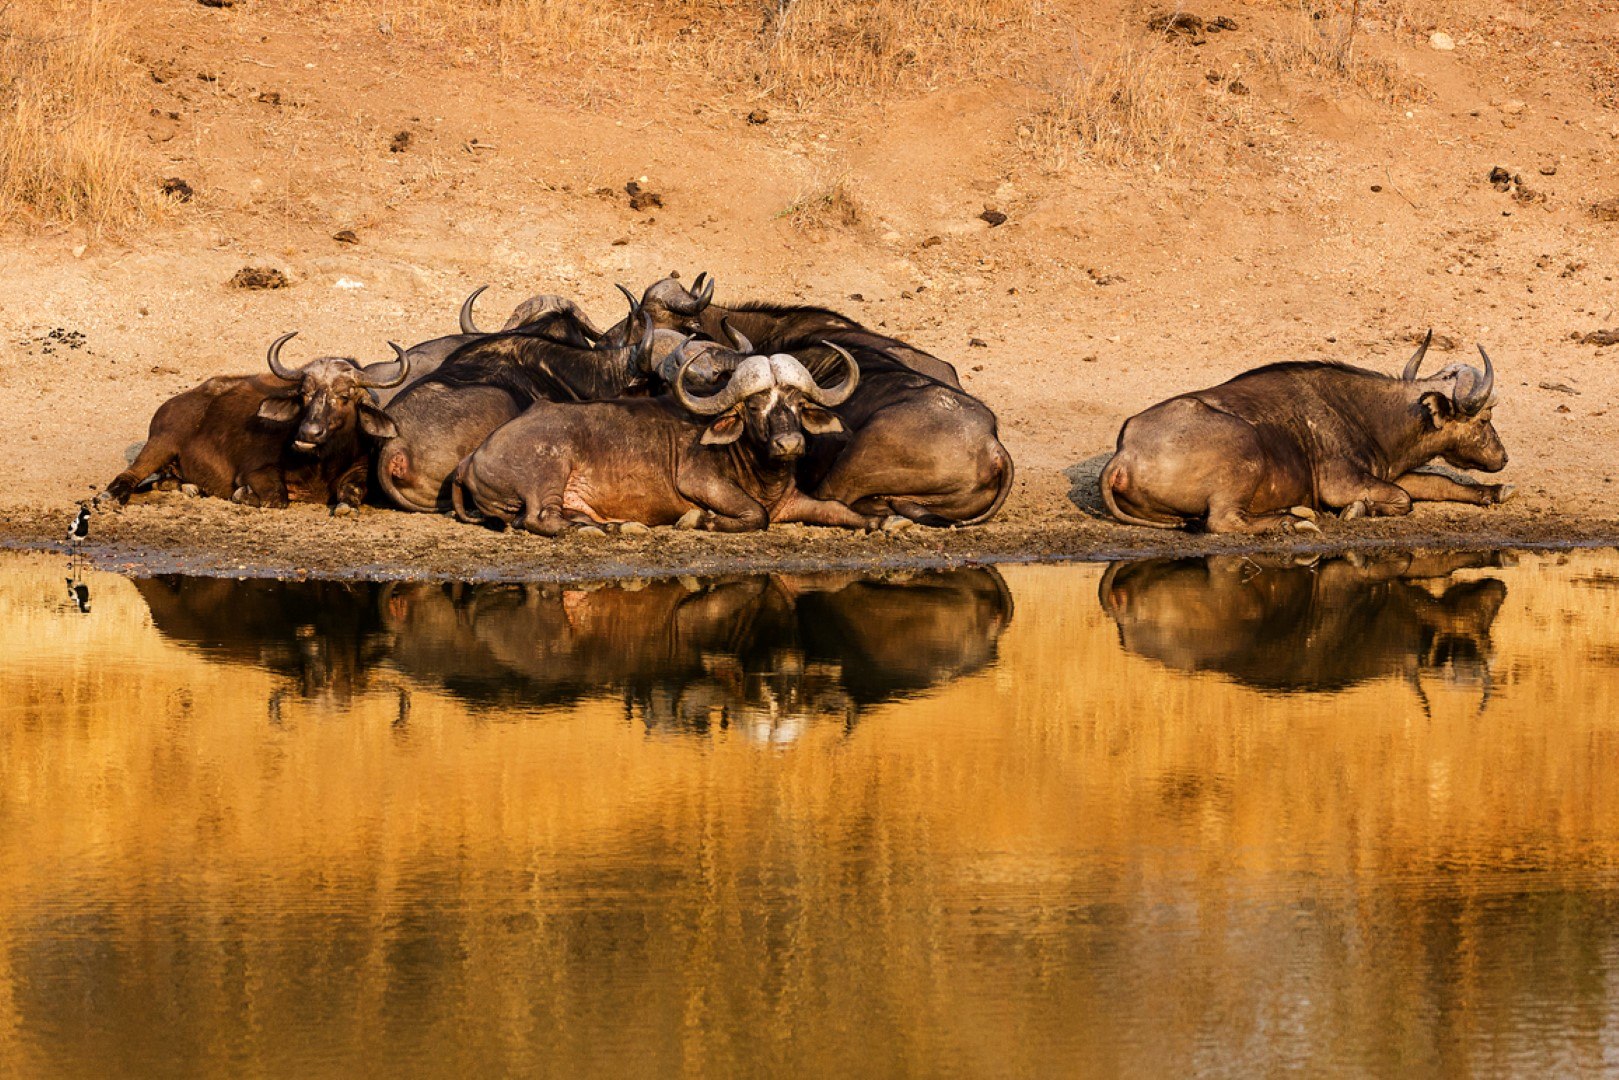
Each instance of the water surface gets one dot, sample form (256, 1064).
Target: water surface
(1211, 816)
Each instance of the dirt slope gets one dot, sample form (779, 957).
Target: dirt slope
(1308, 218)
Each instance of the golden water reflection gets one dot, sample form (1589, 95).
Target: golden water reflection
(1195, 817)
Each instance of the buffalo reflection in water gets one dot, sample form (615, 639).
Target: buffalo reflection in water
(763, 654)
(1326, 625)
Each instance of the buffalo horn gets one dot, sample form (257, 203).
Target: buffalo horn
(739, 341)
(467, 325)
(1415, 362)
(401, 358)
(833, 396)
(1478, 396)
(751, 376)
(703, 290)
(281, 370)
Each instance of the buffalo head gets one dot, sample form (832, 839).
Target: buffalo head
(774, 399)
(329, 396)
(1460, 420)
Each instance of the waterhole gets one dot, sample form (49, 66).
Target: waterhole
(1215, 816)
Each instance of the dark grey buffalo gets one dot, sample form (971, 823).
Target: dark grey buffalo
(294, 435)
(916, 444)
(1272, 447)
(1324, 626)
(653, 461)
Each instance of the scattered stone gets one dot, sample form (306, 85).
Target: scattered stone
(1440, 41)
(1562, 409)
(622, 241)
(977, 343)
(269, 97)
(217, 3)
(932, 241)
(1503, 179)
(1100, 278)
(1442, 342)
(1548, 170)
(1091, 359)
(258, 277)
(1606, 210)
(1560, 388)
(857, 297)
(205, 76)
(1377, 187)
(994, 217)
(1184, 24)
(346, 236)
(1512, 106)
(1571, 269)
(400, 142)
(758, 116)
(640, 198)
(178, 189)
(1599, 338)
(1236, 86)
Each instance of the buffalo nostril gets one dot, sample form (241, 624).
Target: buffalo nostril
(786, 446)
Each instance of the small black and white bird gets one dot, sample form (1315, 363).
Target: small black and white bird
(80, 527)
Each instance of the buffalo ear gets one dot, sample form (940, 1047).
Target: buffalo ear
(1438, 408)
(819, 421)
(376, 423)
(280, 410)
(727, 429)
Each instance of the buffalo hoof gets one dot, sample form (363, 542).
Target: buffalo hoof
(633, 528)
(1305, 512)
(691, 519)
(1304, 527)
(894, 523)
(1356, 509)
(590, 530)
(1503, 492)
(243, 495)
(342, 509)
(190, 491)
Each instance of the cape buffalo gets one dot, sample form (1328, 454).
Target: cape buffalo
(295, 435)
(1271, 447)
(647, 460)
(917, 444)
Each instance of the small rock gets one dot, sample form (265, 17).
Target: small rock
(79, 250)
(1236, 86)
(758, 116)
(1512, 106)
(346, 236)
(1557, 387)
(1600, 338)
(176, 188)
(1606, 210)
(269, 97)
(932, 241)
(1377, 187)
(640, 198)
(1562, 409)
(994, 217)
(857, 297)
(217, 3)
(347, 283)
(258, 277)
(400, 142)
(977, 343)
(1441, 41)
(621, 241)
(1548, 170)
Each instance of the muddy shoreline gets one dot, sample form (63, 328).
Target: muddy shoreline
(171, 535)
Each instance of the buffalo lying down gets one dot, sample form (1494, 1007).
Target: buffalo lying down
(1269, 448)
(295, 435)
(647, 460)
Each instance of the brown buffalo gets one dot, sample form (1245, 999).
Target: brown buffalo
(294, 435)
(647, 460)
(1273, 446)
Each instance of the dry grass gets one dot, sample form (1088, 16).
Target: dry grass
(1128, 107)
(800, 51)
(827, 206)
(64, 85)
(1324, 41)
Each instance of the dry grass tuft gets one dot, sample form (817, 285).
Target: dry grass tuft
(64, 88)
(827, 206)
(1323, 43)
(802, 51)
(1128, 107)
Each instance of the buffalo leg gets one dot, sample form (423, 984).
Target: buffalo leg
(352, 484)
(158, 453)
(1225, 517)
(1364, 495)
(262, 487)
(1431, 487)
(726, 507)
(800, 507)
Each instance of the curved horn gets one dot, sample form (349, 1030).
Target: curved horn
(467, 325)
(697, 282)
(830, 397)
(401, 357)
(281, 370)
(1479, 396)
(701, 406)
(641, 351)
(739, 341)
(1415, 362)
(703, 289)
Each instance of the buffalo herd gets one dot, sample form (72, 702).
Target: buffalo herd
(730, 418)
